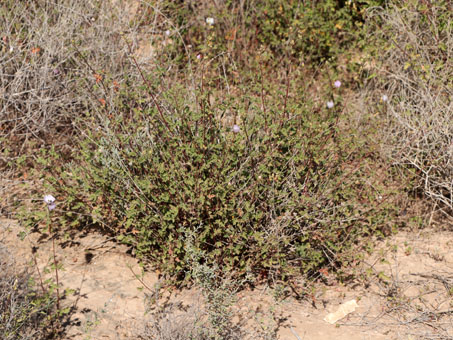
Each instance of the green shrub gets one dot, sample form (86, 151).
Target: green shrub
(287, 194)
(310, 31)
(412, 46)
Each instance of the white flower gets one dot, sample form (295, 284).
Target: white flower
(385, 98)
(49, 199)
(210, 21)
(199, 56)
(51, 206)
(236, 128)
(337, 83)
(330, 104)
(167, 33)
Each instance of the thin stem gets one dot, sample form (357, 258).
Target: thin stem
(39, 274)
(159, 109)
(263, 104)
(288, 71)
(55, 262)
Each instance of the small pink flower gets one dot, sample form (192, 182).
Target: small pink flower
(49, 199)
(236, 128)
(337, 83)
(330, 104)
(199, 56)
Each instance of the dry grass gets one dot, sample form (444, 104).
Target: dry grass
(410, 289)
(23, 313)
(59, 62)
(415, 72)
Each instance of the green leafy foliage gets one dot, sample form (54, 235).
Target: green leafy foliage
(287, 194)
(310, 31)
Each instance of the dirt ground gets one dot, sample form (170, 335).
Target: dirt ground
(407, 296)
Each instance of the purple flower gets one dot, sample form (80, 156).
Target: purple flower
(330, 104)
(236, 128)
(49, 199)
(337, 83)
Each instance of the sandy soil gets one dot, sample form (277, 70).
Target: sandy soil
(407, 295)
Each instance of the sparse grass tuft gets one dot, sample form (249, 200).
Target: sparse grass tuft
(211, 318)
(25, 312)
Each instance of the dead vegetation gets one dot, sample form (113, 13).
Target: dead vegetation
(414, 71)
(60, 62)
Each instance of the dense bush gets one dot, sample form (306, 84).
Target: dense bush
(414, 71)
(311, 30)
(286, 191)
(307, 31)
